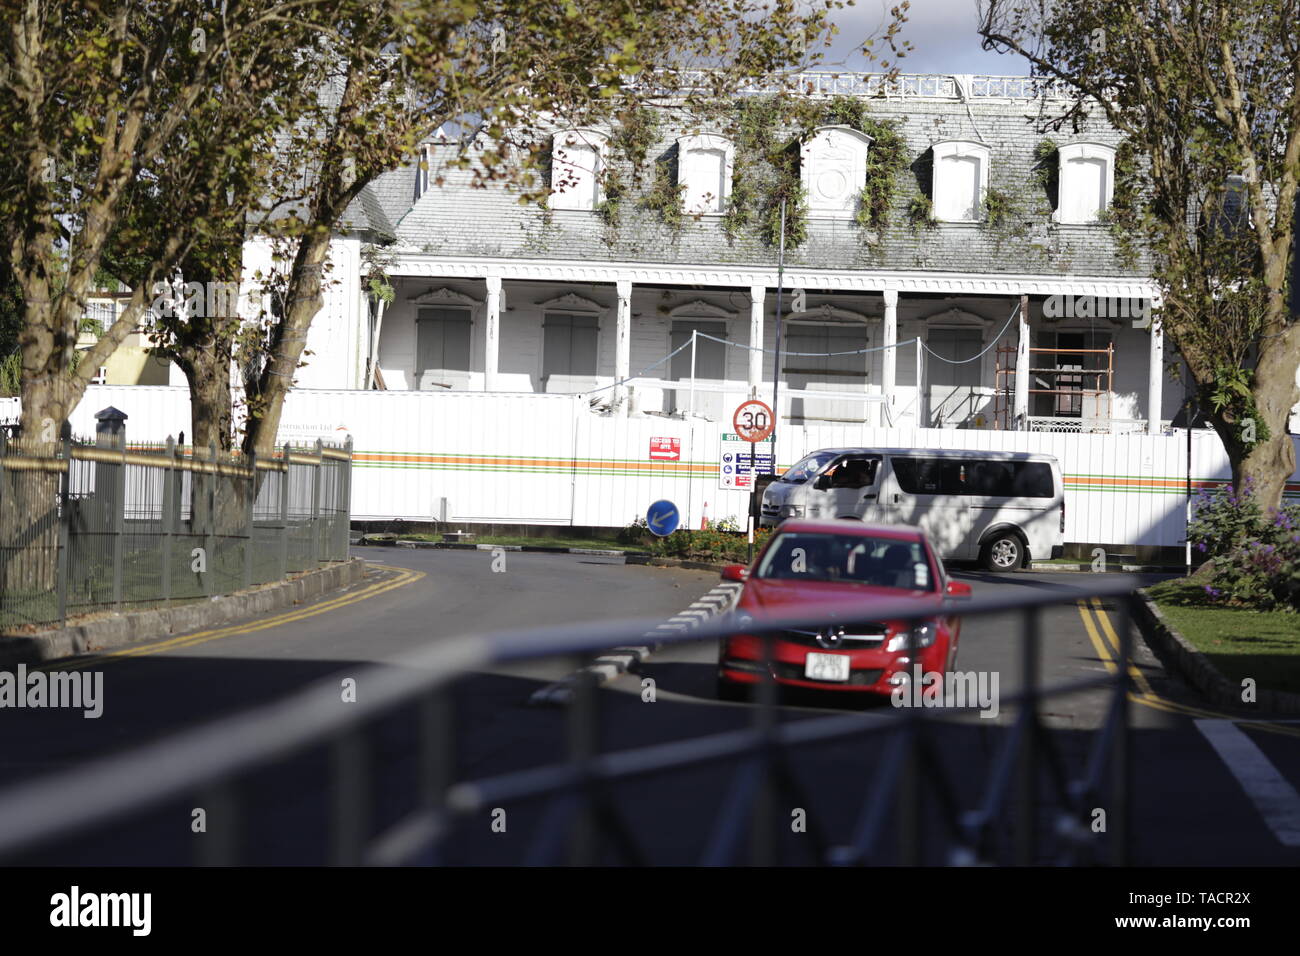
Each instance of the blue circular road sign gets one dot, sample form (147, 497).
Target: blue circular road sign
(662, 518)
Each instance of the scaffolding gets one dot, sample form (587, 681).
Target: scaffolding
(1074, 388)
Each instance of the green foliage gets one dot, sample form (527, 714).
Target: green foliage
(664, 197)
(886, 161)
(722, 541)
(1001, 210)
(920, 213)
(1254, 552)
(1231, 397)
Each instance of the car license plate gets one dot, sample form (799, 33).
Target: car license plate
(826, 667)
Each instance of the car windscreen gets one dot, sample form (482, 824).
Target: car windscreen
(807, 467)
(849, 559)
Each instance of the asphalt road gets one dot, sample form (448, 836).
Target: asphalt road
(1208, 788)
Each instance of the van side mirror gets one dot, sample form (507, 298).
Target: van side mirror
(958, 589)
(822, 483)
(735, 572)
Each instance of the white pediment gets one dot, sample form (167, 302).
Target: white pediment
(828, 314)
(444, 296)
(573, 302)
(700, 309)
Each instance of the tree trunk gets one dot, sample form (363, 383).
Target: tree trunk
(1269, 464)
(305, 298)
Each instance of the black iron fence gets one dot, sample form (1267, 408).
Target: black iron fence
(893, 797)
(87, 526)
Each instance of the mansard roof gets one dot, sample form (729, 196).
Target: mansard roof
(1008, 115)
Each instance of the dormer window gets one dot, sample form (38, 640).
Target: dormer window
(1087, 182)
(704, 165)
(833, 165)
(577, 159)
(961, 178)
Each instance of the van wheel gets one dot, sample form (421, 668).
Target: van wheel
(1006, 552)
(848, 518)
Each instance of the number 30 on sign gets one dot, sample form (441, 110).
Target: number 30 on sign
(753, 421)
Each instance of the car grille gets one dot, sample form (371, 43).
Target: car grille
(862, 636)
(857, 678)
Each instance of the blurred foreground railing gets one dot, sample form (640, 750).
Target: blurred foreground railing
(85, 526)
(1034, 803)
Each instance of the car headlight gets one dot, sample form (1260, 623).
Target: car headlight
(925, 635)
(791, 511)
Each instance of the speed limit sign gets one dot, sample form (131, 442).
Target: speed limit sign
(753, 421)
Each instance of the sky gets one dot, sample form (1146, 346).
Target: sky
(942, 32)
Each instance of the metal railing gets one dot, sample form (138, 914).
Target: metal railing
(908, 86)
(86, 526)
(1032, 803)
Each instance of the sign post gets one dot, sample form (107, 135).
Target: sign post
(754, 422)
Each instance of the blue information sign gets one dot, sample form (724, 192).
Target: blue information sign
(662, 517)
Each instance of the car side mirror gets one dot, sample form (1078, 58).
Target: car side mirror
(958, 589)
(735, 572)
(822, 483)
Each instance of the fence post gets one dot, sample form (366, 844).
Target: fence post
(209, 537)
(168, 521)
(249, 518)
(315, 504)
(284, 515)
(65, 480)
(119, 521)
(345, 503)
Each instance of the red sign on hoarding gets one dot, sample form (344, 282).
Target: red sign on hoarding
(665, 449)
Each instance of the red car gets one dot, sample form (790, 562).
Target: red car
(809, 563)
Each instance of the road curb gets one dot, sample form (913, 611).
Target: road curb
(134, 627)
(617, 661)
(1196, 668)
(466, 546)
(1122, 568)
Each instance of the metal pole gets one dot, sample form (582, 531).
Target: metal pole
(209, 537)
(65, 519)
(119, 520)
(249, 517)
(315, 504)
(284, 515)
(345, 504)
(168, 520)
(776, 366)
(691, 403)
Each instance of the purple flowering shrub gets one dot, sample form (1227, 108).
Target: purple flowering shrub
(1255, 554)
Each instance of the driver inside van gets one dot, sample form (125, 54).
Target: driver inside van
(854, 473)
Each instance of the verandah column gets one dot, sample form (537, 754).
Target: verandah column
(1020, 407)
(623, 343)
(889, 357)
(492, 334)
(756, 293)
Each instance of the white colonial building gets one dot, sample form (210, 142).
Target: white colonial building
(956, 313)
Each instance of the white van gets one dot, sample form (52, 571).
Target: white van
(998, 507)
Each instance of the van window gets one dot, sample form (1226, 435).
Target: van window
(854, 473)
(807, 467)
(992, 478)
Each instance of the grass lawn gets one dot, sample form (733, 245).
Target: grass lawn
(548, 542)
(1264, 645)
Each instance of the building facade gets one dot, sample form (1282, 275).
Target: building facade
(993, 293)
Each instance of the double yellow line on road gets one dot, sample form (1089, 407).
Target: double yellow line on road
(1097, 623)
(401, 578)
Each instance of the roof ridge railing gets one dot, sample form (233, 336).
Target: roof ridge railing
(944, 86)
